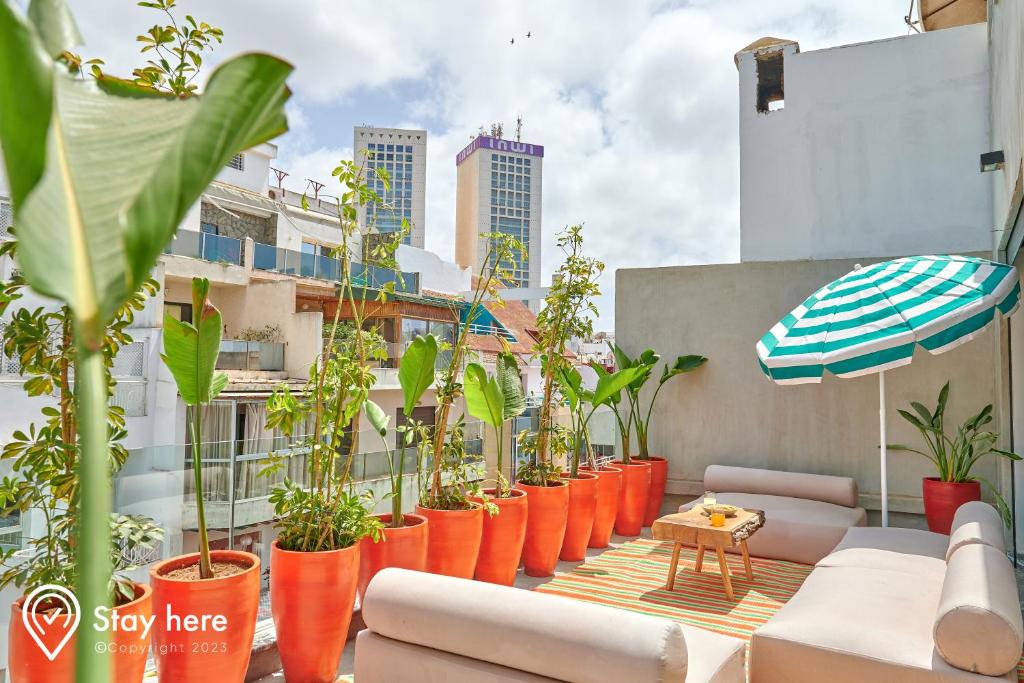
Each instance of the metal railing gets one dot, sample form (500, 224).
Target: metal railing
(302, 264)
(485, 330)
(206, 246)
(238, 354)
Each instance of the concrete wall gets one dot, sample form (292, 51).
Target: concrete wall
(470, 202)
(257, 169)
(1006, 53)
(436, 274)
(875, 152)
(729, 413)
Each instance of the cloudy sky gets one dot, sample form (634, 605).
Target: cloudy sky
(634, 100)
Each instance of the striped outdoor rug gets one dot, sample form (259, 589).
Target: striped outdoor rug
(633, 577)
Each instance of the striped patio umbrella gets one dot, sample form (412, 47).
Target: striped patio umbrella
(870, 320)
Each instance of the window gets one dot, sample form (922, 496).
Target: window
(209, 228)
(180, 312)
(6, 219)
(770, 92)
(237, 162)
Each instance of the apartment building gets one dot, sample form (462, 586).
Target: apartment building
(402, 155)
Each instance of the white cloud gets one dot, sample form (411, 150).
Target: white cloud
(635, 102)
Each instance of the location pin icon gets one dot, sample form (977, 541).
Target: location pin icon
(62, 622)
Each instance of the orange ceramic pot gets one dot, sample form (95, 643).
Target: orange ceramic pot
(636, 484)
(502, 543)
(548, 508)
(185, 653)
(311, 599)
(580, 520)
(656, 492)
(28, 664)
(453, 542)
(404, 547)
(609, 479)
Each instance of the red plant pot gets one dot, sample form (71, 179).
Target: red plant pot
(545, 527)
(942, 498)
(311, 600)
(636, 484)
(27, 663)
(207, 654)
(453, 540)
(580, 520)
(503, 538)
(656, 493)
(609, 479)
(404, 547)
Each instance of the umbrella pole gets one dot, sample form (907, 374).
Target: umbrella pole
(884, 466)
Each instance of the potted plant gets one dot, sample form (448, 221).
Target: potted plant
(450, 487)
(90, 249)
(494, 400)
(220, 582)
(567, 313)
(583, 485)
(403, 537)
(641, 418)
(954, 458)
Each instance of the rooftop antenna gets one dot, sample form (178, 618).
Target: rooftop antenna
(280, 175)
(519, 128)
(316, 187)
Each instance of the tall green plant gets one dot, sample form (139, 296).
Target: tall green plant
(954, 458)
(495, 400)
(190, 353)
(101, 172)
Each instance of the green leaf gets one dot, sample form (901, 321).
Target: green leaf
(682, 365)
(611, 384)
(56, 27)
(119, 172)
(416, 372)
(511, 385)
(570, 381)
(377, 417)
(191, 351)
(484, 400)
(622, 361)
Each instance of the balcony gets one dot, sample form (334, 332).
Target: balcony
(290, 262)
(206, 246)
(251, 356)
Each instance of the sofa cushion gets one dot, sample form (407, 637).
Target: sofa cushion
(976, 522)
(857, 625)
(821, 487)
(714, 658)
(794, 529)
(547, 635)
(893, 548)
(978, 625)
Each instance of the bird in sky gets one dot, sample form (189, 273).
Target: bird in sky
(528, 33)
(512, 42)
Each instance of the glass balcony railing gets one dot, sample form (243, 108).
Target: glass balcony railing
(206, 246)
(301, 264)
(237, 354)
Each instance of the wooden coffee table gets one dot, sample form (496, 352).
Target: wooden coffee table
(693, 528)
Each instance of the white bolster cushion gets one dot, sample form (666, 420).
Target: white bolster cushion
(975, 522)
(978, 626)
(547, 635)
(821, 487)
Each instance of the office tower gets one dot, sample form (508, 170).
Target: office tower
(403, 154)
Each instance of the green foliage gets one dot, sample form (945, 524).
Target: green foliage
(416, 371)
(347, 518)
(345, 340)
(954, 458)
(463, 474)
(177, 51)
(495, 400)
(536, 472)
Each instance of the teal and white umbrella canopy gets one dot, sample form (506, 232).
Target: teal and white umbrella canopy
(870, 320)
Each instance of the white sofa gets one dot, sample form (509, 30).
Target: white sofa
(901, 606)
(429, 628)
(806, 515)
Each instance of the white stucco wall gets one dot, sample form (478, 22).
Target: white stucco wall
(875, 152)
(436, 274)
(1006, 50)
(256, 171)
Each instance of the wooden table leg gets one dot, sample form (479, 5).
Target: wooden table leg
(746, 559)
(700, 558)
(726, 579)
(672, 568)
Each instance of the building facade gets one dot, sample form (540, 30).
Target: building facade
(498, 189)
(403, 155)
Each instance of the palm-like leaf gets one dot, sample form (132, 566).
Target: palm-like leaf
(610, 385)
(191, 350)
(511, 385)
(682, 364)
(416, 373)
(484, 399)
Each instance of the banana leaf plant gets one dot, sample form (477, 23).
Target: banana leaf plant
(415, 375)
(954, 458)
(495, 400)
(190, 353)
(607, 392)
(101, 172)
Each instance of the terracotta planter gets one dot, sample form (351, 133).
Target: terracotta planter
(453, 542)
(942, 498)
(609, 479)
(503, 538)
(636, 484)
(580, 520)
(27, 663)
(199, 656)
(404, 547)
(656, 493)
(545, 527)
(311, 600)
